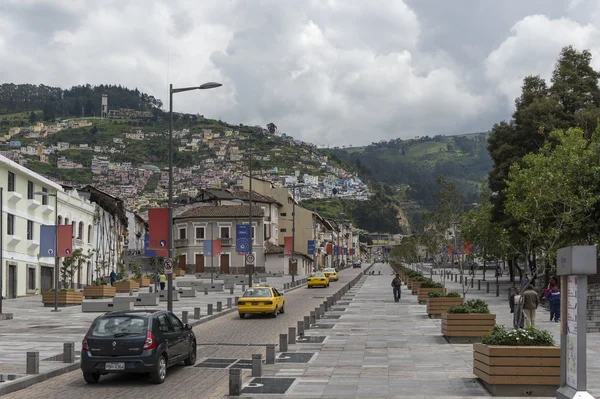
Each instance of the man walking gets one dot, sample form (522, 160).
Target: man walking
(396, 285)
(554, 301)
(163, 280)
(530, 305)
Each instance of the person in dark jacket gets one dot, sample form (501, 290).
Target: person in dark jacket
(554, 301)
(396, 285)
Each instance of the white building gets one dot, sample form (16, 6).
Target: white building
(136, 230)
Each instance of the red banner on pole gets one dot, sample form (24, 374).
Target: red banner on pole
(340, 250)
(467, 247)
(65, 241)
(449, 249)
(216, 247)
(287, 245)
(158, 226)
(329, 248)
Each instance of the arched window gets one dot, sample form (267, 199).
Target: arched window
(73, 228)
(66, 221)
(89, 234)
(59, 220)
(80, 231)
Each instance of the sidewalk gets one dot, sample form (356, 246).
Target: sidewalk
(376, 348)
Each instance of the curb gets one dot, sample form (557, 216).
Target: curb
(35, 379)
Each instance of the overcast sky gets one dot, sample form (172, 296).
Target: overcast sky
(325, 71)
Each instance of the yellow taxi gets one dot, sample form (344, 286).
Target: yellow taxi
(331, 274)
(261, 299)
(317, 279)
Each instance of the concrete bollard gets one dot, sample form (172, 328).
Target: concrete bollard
(300, 327)
(488, 287)
(317, 314)
(321, 311)
(196, 313)
(257, 365)
(219, 306)
(291, 335)
(184, 316)
(497, 289)
(478, 285)
(326, 305)
(306, 323)
(209, 309)
(69, 352)
(206, 291)
(33, 363)
(150, 289)
(283, 342)
(235, 382)
(229, 303)
(231, 291)
(312, 318)
(270, 354)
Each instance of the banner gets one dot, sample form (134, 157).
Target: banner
(449, 249)
(329, 248)
(345, 251)
(311, 247)
(336, 250)
(287, 246)
(65, 241)
(242, 238)
(351, 251)
(158, 227)
(340, 250)
(208, 248)
(149, 253)
(216, 247)
(47, 241)
(467, 247)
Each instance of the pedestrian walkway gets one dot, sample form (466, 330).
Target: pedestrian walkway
(368, 346)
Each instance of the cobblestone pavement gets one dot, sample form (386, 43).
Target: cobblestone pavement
(382, 349)
(224, 337)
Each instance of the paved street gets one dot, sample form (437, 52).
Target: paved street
(231, 336)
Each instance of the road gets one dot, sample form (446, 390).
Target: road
(226, 337)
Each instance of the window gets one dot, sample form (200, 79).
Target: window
(66, 221)
(10, 224)
(265, 232)
(253, 234)
(283, 230)
(163, 324)
(176, 323)
(11, 181)
(224, 232)
(283, 214)
(31, 283)
(29, 230)
(29, 189)
(80, 231)
(200, 233)
(59, 219)
(182, 233)
(73, 229)
(126, 325)
(89, 233)
(44, 197)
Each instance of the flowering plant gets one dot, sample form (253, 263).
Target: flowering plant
(529, 336)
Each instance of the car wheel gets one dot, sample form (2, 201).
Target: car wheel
(282, 310)
(242, 315)
(91, 378)
(274, 314)
(160, 370)
(327, 286)
(191, 359)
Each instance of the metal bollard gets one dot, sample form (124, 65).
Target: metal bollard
(184, 316)
(478, 285)
(270, 354)
(33, 363)
(231, 291)
(196, 313)
(206, 291)
(306, 323)
(229, 303)
(219, 306)
(300, 327)
(317, 314)
(461, 279)
(235, 382)
(291, 335)
(283, 342)
(321, 311)
(209, 309)
(69, 352)
(257, 365)
(488, 287)
(497, 290)
(243, 287)
(471, 282)
(326, 305)
(312, 318)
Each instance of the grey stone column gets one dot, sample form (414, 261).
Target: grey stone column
(257, 365)
(235, 382)
(33, 363)
(69, 352)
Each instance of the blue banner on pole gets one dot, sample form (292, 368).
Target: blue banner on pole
(47, 241)
(345, 251)
(150, 253)
(311, 247)
(242, 237)
(208, 248)
(335, 250)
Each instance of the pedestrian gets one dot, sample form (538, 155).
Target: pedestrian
(397, 285)
(113, 277)
(163, 280)
(554, 301)
(530, 305)
(516, 308)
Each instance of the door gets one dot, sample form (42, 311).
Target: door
(225, 263)
(12, 281)
(199, 263)
(165, 329)
(46, 278)
(182, 343)
(182, 261)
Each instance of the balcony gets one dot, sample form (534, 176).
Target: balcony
(77, 242)
(33, 204)
(181, 243)
(12, 240)
(32, 244)
(13, 197)
(226, 242)
(47, 209)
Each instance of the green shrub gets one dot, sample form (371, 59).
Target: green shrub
(529, 336)
(418, 279)
(431, 284)
(453, 294)
(440, 294)
(472, 306)
(458, 309)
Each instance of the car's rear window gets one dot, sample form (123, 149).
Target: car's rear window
(329, 270)
(318, 274)
(120, 326)
(258, 292)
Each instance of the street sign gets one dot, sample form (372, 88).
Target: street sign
(250, 259)
(168, 266)
(242, 234)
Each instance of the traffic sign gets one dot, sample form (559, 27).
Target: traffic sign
(250, 259)
(168, 266)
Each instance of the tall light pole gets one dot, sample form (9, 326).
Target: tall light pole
(294, 263)
(209, 85)
(56, 272)
(250, 240)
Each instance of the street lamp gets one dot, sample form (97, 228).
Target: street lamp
(209, 85)
(56, 273)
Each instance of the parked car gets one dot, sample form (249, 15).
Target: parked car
(261, 300)
(146, 341)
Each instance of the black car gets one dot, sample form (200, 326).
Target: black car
(356, 264)
(136, 342)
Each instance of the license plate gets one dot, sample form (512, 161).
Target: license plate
(114, 366)
(254, 303)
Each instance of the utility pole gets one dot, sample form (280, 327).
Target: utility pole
(250, 240)
(294, 262)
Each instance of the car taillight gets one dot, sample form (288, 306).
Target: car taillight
(149, 343)
(268, 302)
(84, 344)
(241, 302)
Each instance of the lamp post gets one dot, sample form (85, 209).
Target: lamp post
(56, 272)
(209, 85)
(294, 263)
(250, 239)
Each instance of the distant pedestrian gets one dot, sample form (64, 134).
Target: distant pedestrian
(397, 285)
(554, 301)
(516, 308)
(163, 280)
(113, 277)
(530, 305)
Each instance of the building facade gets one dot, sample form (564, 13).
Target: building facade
(137, 228)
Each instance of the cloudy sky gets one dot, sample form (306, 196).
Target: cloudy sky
(326, 71)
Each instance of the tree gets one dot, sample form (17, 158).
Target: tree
(70, 266)
(271, 128)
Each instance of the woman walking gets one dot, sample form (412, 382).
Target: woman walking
(516, 307)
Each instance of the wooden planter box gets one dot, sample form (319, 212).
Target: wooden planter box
(512, 370)
(143, 282)
(126, 286)
(415, 287)
(99, 291)
(466, 327)
(65, 298)
(438, 306)
(422, 296)
(178, 272)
